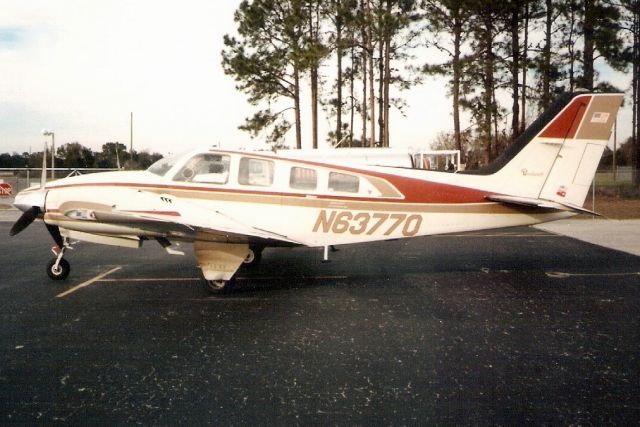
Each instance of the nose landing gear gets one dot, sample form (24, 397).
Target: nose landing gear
(58, 268)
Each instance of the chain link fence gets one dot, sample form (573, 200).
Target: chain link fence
(618, 183)
(21, 178)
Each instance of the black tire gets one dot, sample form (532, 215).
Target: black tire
(219, 287)
(254, 257)
(61, 272)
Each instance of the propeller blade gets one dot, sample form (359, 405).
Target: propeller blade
(25, 220)
(54, 230)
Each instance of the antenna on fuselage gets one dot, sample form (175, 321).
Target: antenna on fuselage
(339, 143)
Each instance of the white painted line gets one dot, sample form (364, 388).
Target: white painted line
(563, 275)
(151, 279)
(473, 234)
(87, 283)
(195, 279)
(269, 278)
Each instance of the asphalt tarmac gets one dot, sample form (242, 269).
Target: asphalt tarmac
(506, 327)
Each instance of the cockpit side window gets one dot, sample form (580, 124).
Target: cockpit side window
(257, 172)
(206, 168)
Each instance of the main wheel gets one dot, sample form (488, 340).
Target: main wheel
(254, 257)
(61, 271)
(217, 287)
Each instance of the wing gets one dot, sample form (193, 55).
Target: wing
(184, 221)
(163, 215)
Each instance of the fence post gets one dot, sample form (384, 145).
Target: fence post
(593, 197)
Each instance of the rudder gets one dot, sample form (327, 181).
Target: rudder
(582, 132)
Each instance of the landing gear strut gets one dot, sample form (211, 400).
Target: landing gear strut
(58, 268)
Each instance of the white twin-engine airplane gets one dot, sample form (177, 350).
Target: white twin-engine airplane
(233, 204)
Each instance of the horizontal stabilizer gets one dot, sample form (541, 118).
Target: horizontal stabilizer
(539, 203)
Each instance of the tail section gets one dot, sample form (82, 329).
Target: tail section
(557, 157)
(580, 151)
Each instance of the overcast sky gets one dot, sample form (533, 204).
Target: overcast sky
(81, 67)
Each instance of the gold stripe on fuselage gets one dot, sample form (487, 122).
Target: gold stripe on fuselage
(321, 201)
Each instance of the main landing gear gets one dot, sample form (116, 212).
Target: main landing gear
(254, 257)
(58, 268)
(220, 286)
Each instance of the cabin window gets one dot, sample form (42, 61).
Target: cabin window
(205, 168)
(255, 172)
(343, 182)
(303, 179)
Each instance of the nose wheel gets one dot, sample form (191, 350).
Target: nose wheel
(58, 268)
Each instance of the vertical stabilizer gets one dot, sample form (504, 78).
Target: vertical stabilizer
(557, 156)
(580, 148)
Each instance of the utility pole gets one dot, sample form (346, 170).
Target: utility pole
(53, 156)
(615, 148)
(50, 133)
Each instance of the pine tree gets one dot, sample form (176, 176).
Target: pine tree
(631, 25)
(266, 59)
(448, 21)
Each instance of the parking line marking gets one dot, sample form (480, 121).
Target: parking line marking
(270, 278)
(87, 283)
(197, 279)
(471, 234)
(564, 275)
(150, 279)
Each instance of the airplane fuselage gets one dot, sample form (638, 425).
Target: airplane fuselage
(233, 204)
(307, 202)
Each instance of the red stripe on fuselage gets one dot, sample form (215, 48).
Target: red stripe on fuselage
(418, 191)
(565, 125)
(414, 190)
(166, 213)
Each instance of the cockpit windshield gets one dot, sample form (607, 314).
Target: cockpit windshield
(205, 167)
(163, 165)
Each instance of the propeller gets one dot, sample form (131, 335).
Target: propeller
(25, 220)
(28, 217)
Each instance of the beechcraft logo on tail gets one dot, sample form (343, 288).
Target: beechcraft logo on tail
(600, 118)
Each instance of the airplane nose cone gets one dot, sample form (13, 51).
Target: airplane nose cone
(27, 199)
